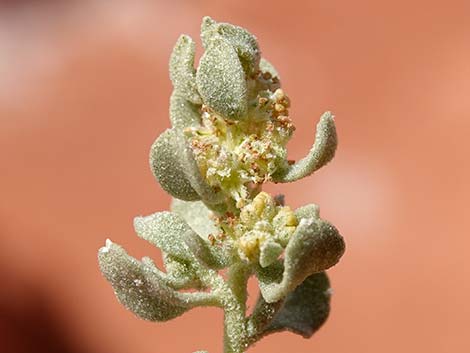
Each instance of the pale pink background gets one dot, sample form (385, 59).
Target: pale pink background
(84, 92)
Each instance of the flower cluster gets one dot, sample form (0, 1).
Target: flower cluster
(261, 231)
(235, 155)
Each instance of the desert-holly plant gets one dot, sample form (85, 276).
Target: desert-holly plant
(230, 126)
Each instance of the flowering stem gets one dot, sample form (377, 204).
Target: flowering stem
(230, 127)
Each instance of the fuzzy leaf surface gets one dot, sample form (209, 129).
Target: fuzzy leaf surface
(269, 252)
(137, 287)
(322, 152)
(197, 215)
(199, 218)
(182, 72)
(180, 274)
(165, 163)
(245, 45)
(183, 113)
(239, 38)
(169, 232)
(221, 80)
(308, 211)
(166, 231)
(314, 247)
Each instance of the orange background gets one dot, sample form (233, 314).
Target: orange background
(84, 92)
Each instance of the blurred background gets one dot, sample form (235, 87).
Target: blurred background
(84, 92)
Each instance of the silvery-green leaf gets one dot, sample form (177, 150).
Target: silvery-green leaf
(137, 287)
(183, 113)
(269, 252)
(147, 261)
(314, 247)
(193, 174)
(182, 72)
(165, 163)
(169, 232)
(221, 80)
(180, 274)
(208, 254)
(208, 31)
(239, 38)
(200, 219)
(308, 211)
(322, 152)
(266, 66)
(244, 43)
(305, 309)
(197, 215)
(166, 231)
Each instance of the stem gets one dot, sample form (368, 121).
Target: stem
(234, 330)
(231, 296)
(235, 333)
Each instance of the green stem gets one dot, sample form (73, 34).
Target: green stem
(234, 330)
(235, 333)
